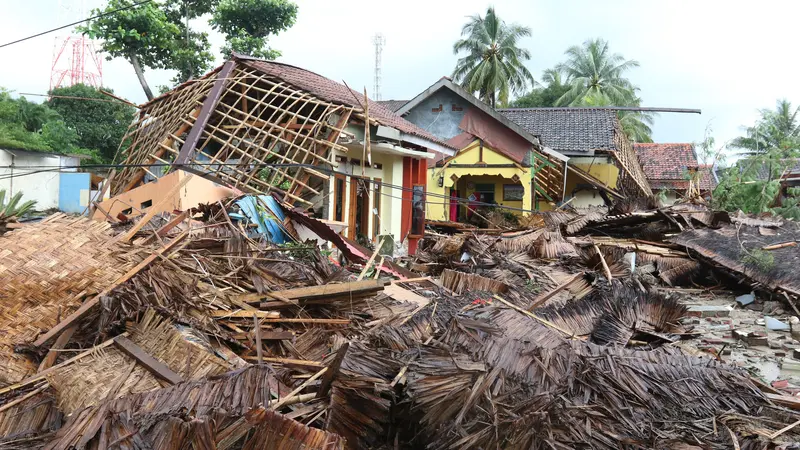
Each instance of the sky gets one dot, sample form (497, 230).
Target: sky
(728, 59)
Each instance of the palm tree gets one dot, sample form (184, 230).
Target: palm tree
(492, 67)
(776, 131)
(635, 124)
(592, 69)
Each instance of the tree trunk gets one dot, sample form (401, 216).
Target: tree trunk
(140, 74)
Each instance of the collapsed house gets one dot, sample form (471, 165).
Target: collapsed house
(188, 330)
(674, 170)
(269, 128)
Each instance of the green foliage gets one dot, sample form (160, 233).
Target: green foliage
(13, 208)
(30, 126)
(493, 65)
(155, 35)
(776, 131)
(100, 125)
(247, 24)
(790, 206)
(753, 184)
(592, 69)
(544, 97)
(760, 259)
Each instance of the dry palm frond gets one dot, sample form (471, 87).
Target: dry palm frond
(551, 245)
(460, 282)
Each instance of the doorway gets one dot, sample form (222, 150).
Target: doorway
(360, 207)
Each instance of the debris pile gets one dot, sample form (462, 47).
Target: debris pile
(191, 330)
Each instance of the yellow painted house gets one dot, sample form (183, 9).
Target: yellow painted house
(521, 160)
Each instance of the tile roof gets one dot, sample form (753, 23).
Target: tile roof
(332, 91)
(666, 165)
(393, 105)
(571, 131)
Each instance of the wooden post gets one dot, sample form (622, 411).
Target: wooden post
(155, 366)
(259, 350)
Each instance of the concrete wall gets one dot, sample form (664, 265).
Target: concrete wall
(391, 203)
(438, 207)
(139, 200)
(600, 168)
(443, 124)
(43, 187)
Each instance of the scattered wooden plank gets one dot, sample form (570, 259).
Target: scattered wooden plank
(549, 294)
(19, 400)
(257, 330)
(288, 361)
(89, 304)
(402, 294)
(603, 262)
(245, 314)
(266, 335)
(783, 430)
(333, 370)
(161, 232)
(155, 366)
(60, 343)
(786, 401)
(325, 291)
(301, 320)
(371, 259)
(305, 384)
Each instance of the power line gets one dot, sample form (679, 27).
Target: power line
(461, 200)
(75, 23)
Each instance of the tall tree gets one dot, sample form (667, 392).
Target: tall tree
(776, 130)
(546, 93)
(100, 122)
(157, 35)
(593, 70)
(597, 77)
(772, 149)
(493, 65)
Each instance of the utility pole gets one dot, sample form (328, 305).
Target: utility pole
(379, 41)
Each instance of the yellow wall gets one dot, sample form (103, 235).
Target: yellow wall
(438, 206)
(601, 169)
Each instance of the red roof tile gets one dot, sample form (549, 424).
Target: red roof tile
(666, 165)
(332, 91)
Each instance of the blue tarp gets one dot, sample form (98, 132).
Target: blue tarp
(266, 213)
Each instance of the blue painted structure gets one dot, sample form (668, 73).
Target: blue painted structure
(443, 124)
(70, 185)
(266, 213)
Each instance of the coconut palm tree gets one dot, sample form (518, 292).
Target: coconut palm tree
(635, 124)
(493, 65)
(592, 69)
(776, 131)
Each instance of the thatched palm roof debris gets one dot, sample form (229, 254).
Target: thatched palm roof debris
(204, 335)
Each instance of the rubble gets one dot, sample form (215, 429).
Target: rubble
(197, 330)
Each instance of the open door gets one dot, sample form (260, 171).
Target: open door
(358, 217)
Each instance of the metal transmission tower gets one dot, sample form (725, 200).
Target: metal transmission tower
(75, 59)
(379, 41)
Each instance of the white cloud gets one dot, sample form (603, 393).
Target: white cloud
(725, 58)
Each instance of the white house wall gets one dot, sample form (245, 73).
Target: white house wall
(42, 187)
(391, 203)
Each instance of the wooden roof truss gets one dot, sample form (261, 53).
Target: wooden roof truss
(241, 128)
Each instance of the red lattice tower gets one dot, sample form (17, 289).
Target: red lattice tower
(75, 60)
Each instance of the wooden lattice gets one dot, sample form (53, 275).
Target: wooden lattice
(632, 180)
(260, 135)
(549, 176)
(46, 269)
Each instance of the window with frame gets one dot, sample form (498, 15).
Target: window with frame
(486, 191)
(338, 198)
(513, 192)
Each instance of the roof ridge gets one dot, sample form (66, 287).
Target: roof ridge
(562, 108)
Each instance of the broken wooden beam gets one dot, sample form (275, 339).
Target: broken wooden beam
(153, 365)
(61, 342)
(323, 292)
(245, 314)
(266, 335)
(333, 370)
(549, 294)
(287, 361)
